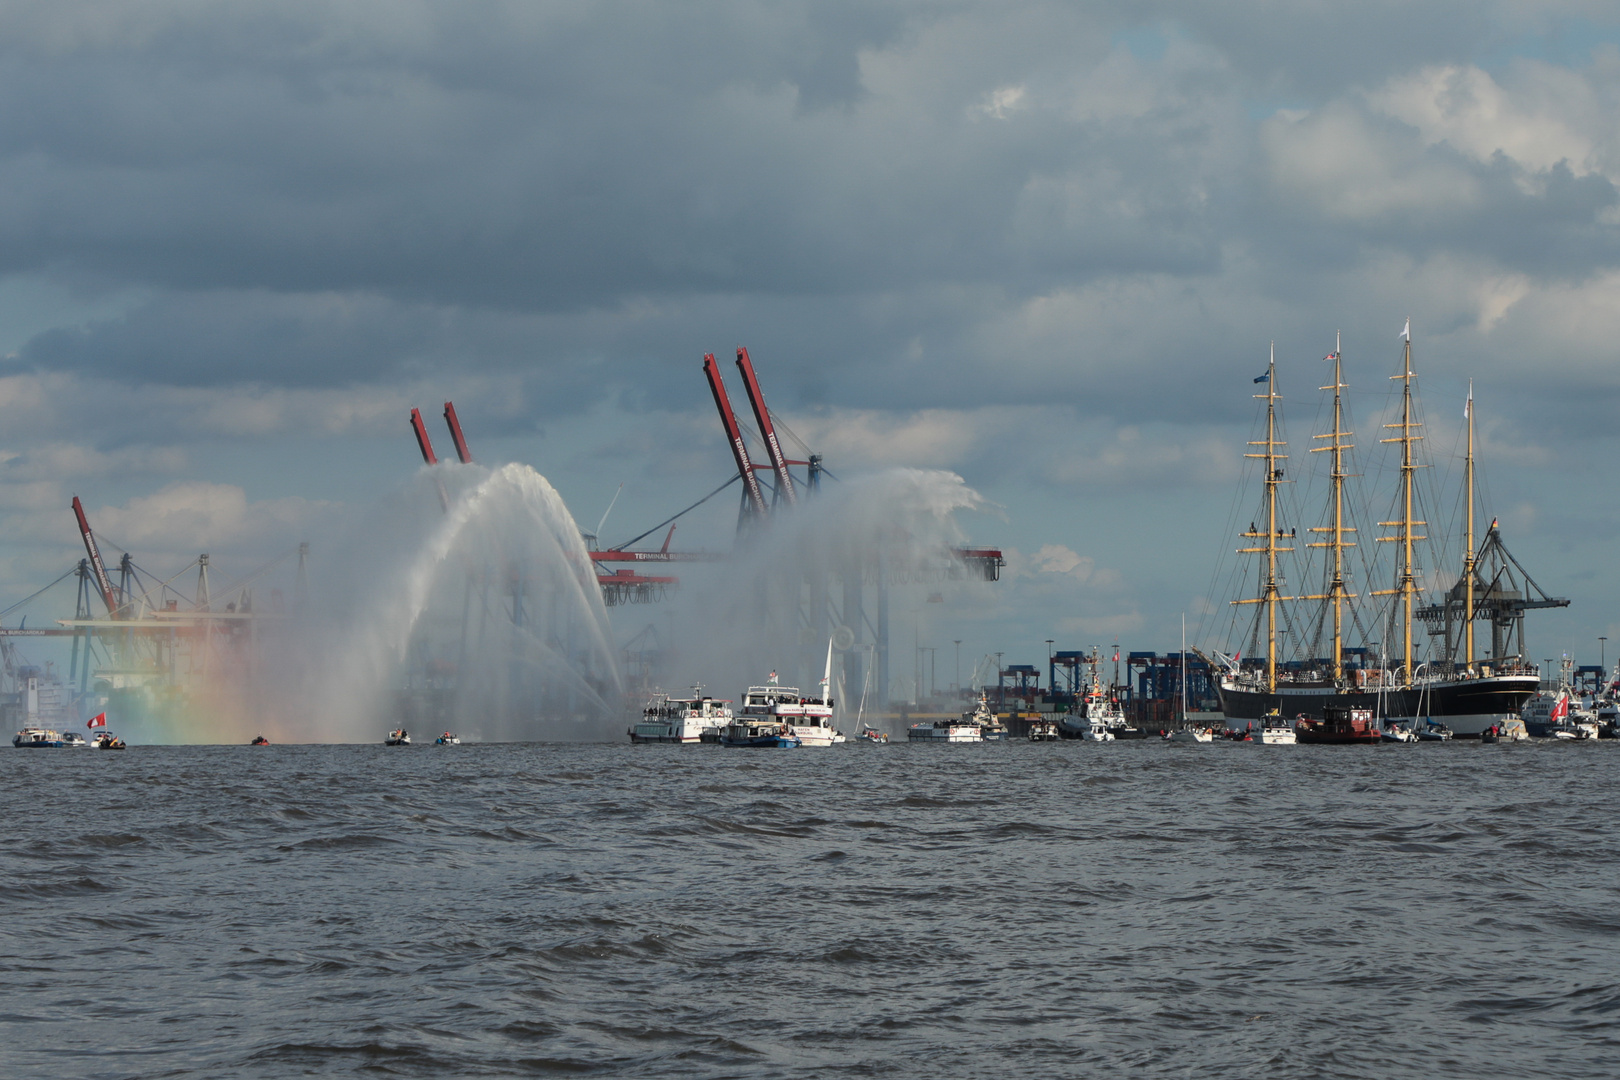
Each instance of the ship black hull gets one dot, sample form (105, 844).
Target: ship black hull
(1466, 706)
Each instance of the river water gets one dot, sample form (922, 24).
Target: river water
(997, 910)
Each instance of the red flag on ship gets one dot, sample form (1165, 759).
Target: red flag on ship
(98, 720)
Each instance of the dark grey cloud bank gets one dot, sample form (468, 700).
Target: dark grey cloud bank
(329, 194)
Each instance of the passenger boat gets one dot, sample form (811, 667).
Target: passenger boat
(1465, 692)
(398, 737)
(692, 719)
(35, 738)
(945, 731)
(808, 718)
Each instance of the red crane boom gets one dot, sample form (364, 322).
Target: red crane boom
(102, 581)
(422, 439)
(767, 431)
(455, 434)
(739, 449)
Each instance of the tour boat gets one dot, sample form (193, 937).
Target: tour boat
(34, 738)
(692, 719)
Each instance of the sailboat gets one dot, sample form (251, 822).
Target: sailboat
(1350, 704)
(1185, 734)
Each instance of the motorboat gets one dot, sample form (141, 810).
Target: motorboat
(449, 738)
(398, 737)
(870, 734)
(1275, 731)
(106, 740)
(1433, 731)
(692, 719)
(259, 740)
(36, 738)
(75, 740)
(1398, 733)
(759, 733)
(1096, 731)
(1043, 731)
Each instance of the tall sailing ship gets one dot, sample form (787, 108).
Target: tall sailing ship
(1466, 692)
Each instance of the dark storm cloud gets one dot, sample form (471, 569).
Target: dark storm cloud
(880, 195)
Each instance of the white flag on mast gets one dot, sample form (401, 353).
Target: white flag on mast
(1406, 332)
(1468, 406)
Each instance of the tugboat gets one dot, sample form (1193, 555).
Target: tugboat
(991, 729)
(1097, 716)
(682, 720)
(449, 738)
(1340, 724)
(398, 737)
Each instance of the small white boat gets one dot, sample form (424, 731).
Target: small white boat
(944, 731)
(1274, 731)
(398, 737)
(106, 740)
(1397, 733)
(1097, 731)
(1191, 735)
(75, 740)
(449, 738)
(870, 734)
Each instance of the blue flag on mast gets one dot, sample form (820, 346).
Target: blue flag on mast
(1263, 378)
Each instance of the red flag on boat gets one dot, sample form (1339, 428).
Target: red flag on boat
(98, 720)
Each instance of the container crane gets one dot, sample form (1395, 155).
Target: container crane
(767, 430)
(103, 582)
(754, 497)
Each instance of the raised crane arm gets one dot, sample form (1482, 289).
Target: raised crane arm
(767, 431)
(455, 434)
(100, 568)
(739, 449)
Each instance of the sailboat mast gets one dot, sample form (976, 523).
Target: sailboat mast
(1269, 595)
(1337, 593)
(1468, 551)
(1406, 580)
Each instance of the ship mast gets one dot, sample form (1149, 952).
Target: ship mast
(1468, 551)
(1406, 578)
(1336, 593)
(1268, 595)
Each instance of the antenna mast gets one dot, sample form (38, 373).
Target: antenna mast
(1336, 593)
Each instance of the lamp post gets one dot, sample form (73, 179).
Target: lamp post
(956, 683)
(1603, 643)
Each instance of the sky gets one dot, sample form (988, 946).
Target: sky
(1043, 246)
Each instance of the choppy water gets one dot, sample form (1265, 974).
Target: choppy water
(1009, 911)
